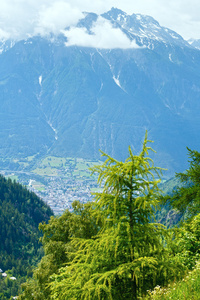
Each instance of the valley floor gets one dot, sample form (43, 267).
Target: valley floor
(58, 181)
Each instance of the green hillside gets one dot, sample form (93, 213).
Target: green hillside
(21, 212)
(187, 288)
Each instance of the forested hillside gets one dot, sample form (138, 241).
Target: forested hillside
(21, 212)
(112, 248)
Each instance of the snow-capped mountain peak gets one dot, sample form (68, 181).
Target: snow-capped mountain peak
(142, 27)
(120, 30)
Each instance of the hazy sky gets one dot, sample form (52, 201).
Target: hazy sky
(23, 18)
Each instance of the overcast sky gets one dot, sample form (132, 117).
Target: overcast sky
(22, 18)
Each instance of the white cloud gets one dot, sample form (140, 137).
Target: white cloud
(103, 36)
(20, 19)
(57, 17)
(4, 35)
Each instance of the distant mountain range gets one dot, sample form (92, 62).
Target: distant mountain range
(74, 100)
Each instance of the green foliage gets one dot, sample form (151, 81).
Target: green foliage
(187, 197)
(112, 248)
(127, 256)
(185, 242)
(56, 239)
(187, 288)
(20, 213)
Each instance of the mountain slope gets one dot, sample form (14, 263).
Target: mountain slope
(73, 101)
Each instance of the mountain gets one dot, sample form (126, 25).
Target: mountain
(74, 100)
(194, 43)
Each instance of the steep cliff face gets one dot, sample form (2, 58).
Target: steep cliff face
(73, 100)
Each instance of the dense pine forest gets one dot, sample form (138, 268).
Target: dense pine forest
(115, 247)
(21, 212)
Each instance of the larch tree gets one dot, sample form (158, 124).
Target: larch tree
(127, 256)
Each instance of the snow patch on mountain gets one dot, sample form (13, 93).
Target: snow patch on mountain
(56, 135)
(40, 80)
(116, 80)
(5, 45)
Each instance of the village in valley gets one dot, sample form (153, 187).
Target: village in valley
(57, 181)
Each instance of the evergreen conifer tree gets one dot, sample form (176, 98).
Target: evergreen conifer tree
(126, 257)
